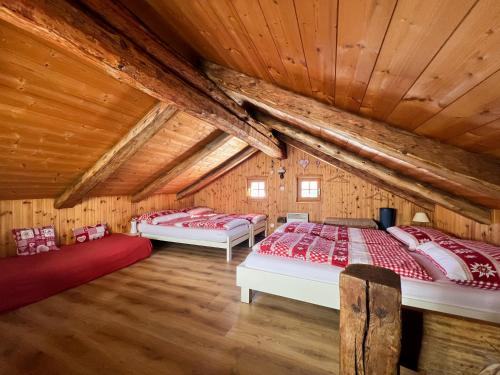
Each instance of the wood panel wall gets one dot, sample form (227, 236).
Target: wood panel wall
(116, 211)
(343, 195)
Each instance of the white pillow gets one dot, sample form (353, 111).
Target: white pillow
(164, 218)
(200, 211)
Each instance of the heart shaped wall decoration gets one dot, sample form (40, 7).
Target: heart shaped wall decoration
(304, 163)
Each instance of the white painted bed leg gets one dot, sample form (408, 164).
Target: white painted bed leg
(251, 236)
(229, 250)
(265, 230)
(246, 295)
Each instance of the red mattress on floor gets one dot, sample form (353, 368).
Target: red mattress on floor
(27, 279)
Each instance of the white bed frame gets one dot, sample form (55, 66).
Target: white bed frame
(228, 245)
(328, 295)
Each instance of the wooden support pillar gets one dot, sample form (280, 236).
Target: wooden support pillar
(370, 320)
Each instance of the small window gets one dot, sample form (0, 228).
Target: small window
(308, 189)
(257, 188)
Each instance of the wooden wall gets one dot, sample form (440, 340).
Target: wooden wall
(343, 195)
(116, 211)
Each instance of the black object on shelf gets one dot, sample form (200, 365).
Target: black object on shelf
(281, 219)
(387, 217)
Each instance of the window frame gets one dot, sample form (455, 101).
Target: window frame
(249, 184)
(302, 199)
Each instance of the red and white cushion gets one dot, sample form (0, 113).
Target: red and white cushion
(210, 221)
(253, 218)
(198, 210)
(30, 241)
(317, 249)
(155, 217)
(90, 233)
(413, 236)
(465, 262)
(341, 233)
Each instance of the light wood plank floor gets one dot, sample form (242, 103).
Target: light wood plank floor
(177, 312)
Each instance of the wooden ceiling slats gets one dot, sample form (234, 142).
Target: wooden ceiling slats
(362, 27)
(317, 22)
(417, 32)
(281, 19)
(471, 55)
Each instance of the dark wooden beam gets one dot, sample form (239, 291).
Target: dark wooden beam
(165, 177)
(218, 172)
(78, 30)
(145, 129)
(475, 173)
(419, 201)
(403, 183)
(370, 320)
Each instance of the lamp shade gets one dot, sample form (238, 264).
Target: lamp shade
(421, 217)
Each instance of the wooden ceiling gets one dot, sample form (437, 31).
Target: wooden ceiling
(58, 115)
(431, 67)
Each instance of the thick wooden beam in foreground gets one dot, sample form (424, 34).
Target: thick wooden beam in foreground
(145, 129)
(167, 176)
(218, 172)
(459, 205)
(370, 320)
(427, 205)
(474, 172)
(76, 29)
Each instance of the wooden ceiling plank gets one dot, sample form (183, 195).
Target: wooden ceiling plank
(217, 172)
(478, 107)
(418, 31)
(145, 129)
(73, 28)
(253, 20)
(468, 57)
(282, 22)
(378, 172)
(361, 30)
(165, 177)
(317, 22)
(471, 171)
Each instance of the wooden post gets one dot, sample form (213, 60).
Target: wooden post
(370, 320)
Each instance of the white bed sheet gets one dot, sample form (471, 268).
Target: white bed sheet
(440, 291)
(193, 233)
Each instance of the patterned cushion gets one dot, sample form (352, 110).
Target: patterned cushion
(198, 210)
(150, 216)
(413, 236)
(465, 262)
(90, 233)
(31, 241)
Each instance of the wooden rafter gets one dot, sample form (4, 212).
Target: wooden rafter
(143, 131)
(169, 175)
(473, 172)
(413, 187)
(319, 154)
(218, 172)
(75, 28)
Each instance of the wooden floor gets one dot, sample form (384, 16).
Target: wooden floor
(178, 312)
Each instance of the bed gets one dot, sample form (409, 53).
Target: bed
(319, 284)
(188, 230)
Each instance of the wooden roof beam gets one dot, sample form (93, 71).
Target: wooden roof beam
(476, 173)
(169, 175)
(218, 172)
(120, 153)
(365, 166)
(77, 29)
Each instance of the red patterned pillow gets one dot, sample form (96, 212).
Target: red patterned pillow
(31, 241)
(413, 236)
(90, 233)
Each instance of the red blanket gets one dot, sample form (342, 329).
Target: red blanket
(341, 233)
(24, 280)
(316, 249)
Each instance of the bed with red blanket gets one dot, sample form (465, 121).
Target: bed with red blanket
(27, 279)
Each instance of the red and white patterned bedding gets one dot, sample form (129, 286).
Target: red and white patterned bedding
(315, 249)
(413, 236)
(465, 262)
(212, 221)
(150, 216)
(341, 233)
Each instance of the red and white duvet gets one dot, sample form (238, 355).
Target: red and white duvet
(470, 263)
(341, 233)
(315, 249)
(212, 221)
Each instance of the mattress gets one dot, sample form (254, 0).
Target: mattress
(211, 235)
(440, 291)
